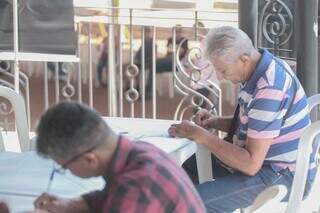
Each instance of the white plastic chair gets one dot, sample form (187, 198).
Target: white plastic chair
(19, 109)
(313, 101)
(2, 148)
(295, 203)
(267, 199)
(305, 148)
(311, 203)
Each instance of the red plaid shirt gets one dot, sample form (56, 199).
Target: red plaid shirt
(141, 179)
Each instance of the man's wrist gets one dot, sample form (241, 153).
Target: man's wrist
(78, 205)
(214, 123)
(202, 136)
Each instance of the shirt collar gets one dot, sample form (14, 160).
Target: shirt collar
(119, 159)
(261, 68)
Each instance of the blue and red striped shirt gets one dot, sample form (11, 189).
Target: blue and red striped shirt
(273, 104)
(142, 178)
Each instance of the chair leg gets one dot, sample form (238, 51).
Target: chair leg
(159, 87)
(2, 148)
(171, 85)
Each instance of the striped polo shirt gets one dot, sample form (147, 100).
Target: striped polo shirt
(273, 104)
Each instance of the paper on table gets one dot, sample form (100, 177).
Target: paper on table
(149, 134)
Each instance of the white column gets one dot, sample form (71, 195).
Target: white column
(112, 91)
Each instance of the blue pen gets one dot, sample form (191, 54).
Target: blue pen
(50, 181)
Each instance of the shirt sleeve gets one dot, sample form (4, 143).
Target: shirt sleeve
(128, 197)
(266, 113)
(95, 200)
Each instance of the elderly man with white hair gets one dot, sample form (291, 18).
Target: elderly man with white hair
(263, 134)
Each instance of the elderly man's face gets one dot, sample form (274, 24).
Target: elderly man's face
(234, 72)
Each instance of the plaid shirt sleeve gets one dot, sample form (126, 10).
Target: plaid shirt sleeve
(129, 197)
(95, 200)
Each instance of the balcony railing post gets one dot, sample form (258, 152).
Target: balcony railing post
(16, 45)
(112, 66)
(248, 18)
(306, 44)
(112, 72)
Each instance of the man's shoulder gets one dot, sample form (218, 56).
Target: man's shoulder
(147, 161)
(278, 76)
(146, 154)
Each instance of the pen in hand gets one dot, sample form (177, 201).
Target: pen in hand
(50, 181)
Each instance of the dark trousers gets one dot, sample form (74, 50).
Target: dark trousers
(102, 64)
(190, 166)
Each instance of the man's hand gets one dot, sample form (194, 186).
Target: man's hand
(186, 129)
(3, 207)
(55, 204)
(205, 119)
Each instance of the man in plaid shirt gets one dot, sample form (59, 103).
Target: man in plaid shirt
(139, 177)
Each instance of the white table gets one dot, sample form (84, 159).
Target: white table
(24, 176)
(155, 131)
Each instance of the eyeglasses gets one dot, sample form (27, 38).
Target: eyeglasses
(62, 169)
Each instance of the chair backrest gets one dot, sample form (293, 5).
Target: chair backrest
(302, 167)
(267, 199)
(21, 120)
(313, 101)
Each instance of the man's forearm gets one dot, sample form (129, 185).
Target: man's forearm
(222, 123)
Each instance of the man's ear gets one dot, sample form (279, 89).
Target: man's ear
(245, 58)
(90, 159)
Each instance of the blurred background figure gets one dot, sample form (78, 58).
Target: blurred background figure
(102, 66)
(102, 62)
(62, 73)
(165, 64)
(148, 50)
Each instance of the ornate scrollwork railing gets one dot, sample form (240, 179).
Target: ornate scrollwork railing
(276, 26)
(185, 81)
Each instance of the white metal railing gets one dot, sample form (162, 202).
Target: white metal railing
(76, 77)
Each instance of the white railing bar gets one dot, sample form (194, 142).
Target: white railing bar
(90, 67)
(79, 66)
(57, 87)
(16, 45)
(120, 73)
(142, 66)
(154, 100)
(131, 62)
(112, 75)
(174, 64)
(40, 57)
(46, 93)
(102, 19)
(159, 9)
